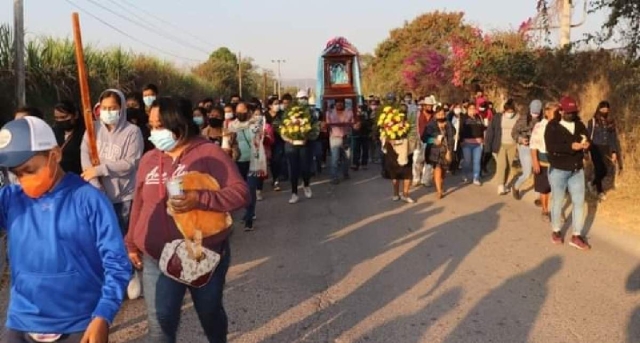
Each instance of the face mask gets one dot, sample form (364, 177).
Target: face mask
(441, 120)
(242, 116)
(407, 100)
(65, 125)
(148, 100)
(510, 114)
(36, 185)
(482, 109)
(275, 108)
(198, 120)
(228, 115)
(216, 122)
(163, 139)
(457, 110)
(109, 117)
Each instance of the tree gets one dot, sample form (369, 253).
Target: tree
(221, 69)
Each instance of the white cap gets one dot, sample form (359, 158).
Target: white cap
(302, 94)
(21, 139)
(430, 100)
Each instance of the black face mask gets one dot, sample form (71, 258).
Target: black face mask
(66, 125)
(569, 117)
(242, 116)
(216, 122)
(441, 120)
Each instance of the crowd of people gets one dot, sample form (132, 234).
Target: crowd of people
(99, 226)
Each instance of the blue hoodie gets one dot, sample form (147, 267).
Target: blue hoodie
(67, 255)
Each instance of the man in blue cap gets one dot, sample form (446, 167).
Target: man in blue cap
(69, 266)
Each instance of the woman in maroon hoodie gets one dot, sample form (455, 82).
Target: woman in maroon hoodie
(180, 149)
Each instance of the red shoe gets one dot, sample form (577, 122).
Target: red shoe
(579, 243)
(556, 238)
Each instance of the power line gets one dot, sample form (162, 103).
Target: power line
(128, 35)
(150, 29)
(164, 21)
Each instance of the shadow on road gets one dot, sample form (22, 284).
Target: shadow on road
(396, 272)
(633, 327)
(509, 312)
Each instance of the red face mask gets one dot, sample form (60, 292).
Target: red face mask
(36, 185)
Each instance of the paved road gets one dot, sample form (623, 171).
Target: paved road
(350, 265)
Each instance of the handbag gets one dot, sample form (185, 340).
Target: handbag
(188, 262)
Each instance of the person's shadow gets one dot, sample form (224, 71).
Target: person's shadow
(633, 328)
(508, 313)
(403, 279)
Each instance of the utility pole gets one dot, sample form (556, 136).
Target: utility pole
(565, 23)
(565, 7)
(240, 74)
(279, 77)
(18, 45)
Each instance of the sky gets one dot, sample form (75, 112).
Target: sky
(186, 31)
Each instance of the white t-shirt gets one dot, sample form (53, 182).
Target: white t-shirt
(537, 137)
(569, 125)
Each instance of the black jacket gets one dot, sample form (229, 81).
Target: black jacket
(559, 140)
(70, 162)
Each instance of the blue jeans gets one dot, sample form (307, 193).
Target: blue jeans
(527, 165)
(560, 181)
(163, 297)
(254, 183)
(339, 150)
(472, 158)
(123, 211)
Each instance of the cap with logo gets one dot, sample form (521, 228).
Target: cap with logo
(21, 139)
(568, 105)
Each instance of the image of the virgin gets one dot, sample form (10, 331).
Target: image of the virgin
(339, 74)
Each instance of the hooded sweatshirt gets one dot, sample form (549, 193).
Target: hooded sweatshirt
(150, 227)
(119, 151)
(68, 260)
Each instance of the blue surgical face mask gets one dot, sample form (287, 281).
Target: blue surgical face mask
(109, 117)
(148, 100)
(198, 120)
(163, 139)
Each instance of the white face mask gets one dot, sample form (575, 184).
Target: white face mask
(457, 110)
(109, 117)
(228, 115)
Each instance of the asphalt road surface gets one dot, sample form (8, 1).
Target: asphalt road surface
(350, 265)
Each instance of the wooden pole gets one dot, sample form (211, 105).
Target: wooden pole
(83, 80)
(264, 88)
(240, 74)
(565, 23)
(18, 41)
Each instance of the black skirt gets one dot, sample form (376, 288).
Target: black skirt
(391, 170)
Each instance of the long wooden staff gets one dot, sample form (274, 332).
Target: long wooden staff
(83, 80)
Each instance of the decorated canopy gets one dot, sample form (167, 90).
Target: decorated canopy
(337, 46)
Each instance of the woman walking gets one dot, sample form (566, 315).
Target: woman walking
(397, 164)
(180, 149)
(472, 137)
(439, 138)
(605, 148)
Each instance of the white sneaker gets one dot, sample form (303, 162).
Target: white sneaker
(502, 190)
(134, 290)
(307, 192)
(294, 199)
(259, 195)
(477, 182)
(602, 197)
(395, 198)
(408, 200)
